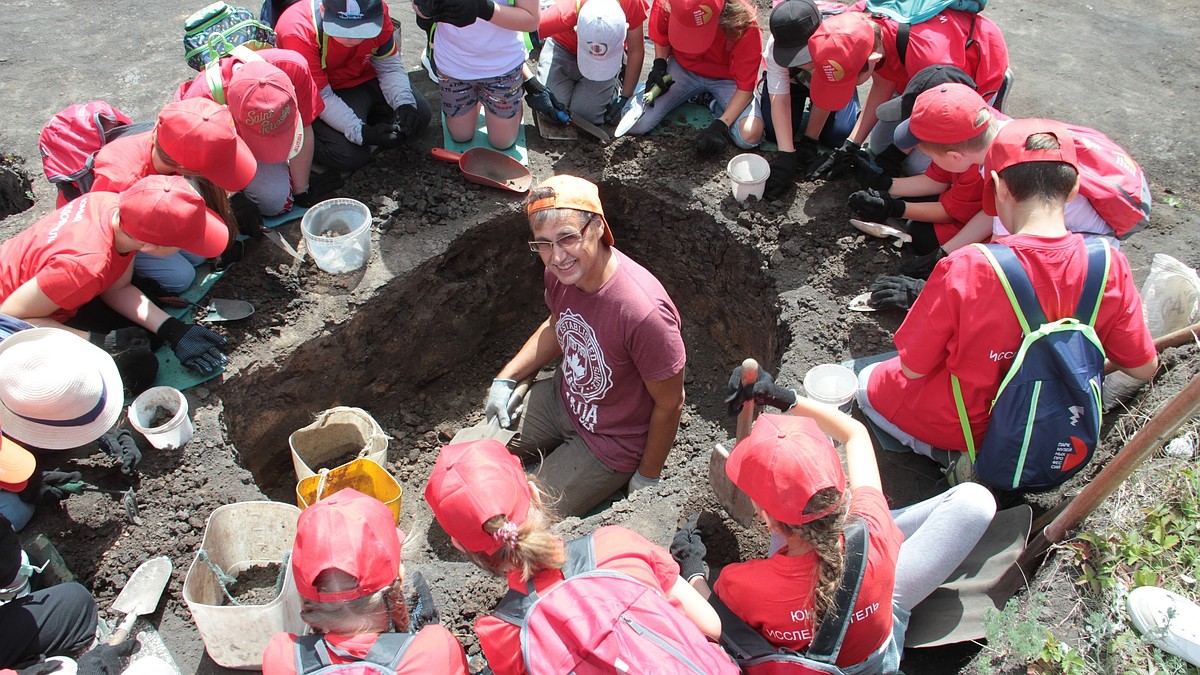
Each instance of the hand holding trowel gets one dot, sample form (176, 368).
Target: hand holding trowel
(639, 105)
(493, 428)
(736, 503)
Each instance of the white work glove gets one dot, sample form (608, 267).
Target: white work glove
(497, 401)
(637, 481)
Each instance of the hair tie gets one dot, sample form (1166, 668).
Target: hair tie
(507, 534)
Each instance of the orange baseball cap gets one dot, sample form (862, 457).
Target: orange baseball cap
(693, 24)
(1009, 149)
(472, 483)
(199, 135)
(839, 48)
(571, 192)
(351, 532)
(16, 465)
(262, 101)
(167, 211)
(784, 462)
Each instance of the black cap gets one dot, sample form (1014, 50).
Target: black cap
(792, 23)
(900, 108)
(10, 552)
(352, 19)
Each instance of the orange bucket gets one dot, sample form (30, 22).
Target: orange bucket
(363, 475)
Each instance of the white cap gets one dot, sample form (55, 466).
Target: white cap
(601, 27)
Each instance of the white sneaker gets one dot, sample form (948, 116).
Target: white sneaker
(1170, 621)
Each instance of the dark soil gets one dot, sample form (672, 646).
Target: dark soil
(255, 585)
(161, 416)
(450, 292)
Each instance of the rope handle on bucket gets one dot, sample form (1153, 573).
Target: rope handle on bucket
(223, 579)
(324, 476)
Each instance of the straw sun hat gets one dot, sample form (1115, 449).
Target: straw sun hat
(57, 390)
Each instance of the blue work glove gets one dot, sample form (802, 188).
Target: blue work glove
(764, 391)
(615, 109)
(538, 97)
(497, 401)
(196, 347)
(688, 549)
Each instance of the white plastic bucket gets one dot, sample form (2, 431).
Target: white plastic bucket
(832, 384)
(334, 433)
(169, 435)
(338, 234)
(748, 174)
(236, 537)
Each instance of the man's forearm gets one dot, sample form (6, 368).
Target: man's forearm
(664, 424)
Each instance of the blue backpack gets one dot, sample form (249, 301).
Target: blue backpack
(1046, 415)
(918, 11)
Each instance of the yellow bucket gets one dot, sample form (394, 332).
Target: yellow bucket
(363, 475)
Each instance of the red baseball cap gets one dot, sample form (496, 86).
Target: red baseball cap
(351, 532)
(944, 114)
(693, 24)
(16, 465)
(839, 49)
(784, 462)
(167, 211)
(472, 483)
(262, 101)
(1009, 149)
(199, 135)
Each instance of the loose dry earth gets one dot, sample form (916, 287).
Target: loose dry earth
(450, 292)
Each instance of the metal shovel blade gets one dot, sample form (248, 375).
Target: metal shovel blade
(141, 594)
(222, 309)
(637, 110)
(735, 502)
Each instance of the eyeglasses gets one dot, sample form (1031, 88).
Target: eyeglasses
(568, 241)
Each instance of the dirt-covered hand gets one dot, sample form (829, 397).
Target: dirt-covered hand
(894, 292)
(120, 445)
(382, 134)
(713, 139)
(871, 175)
(783, 175)
(687, 548)
(615, 109)
(837, 163)
(105, 659)
(497, 401)
(875, 206)
(121, 339)
(196, 347)
(658, 77)
(922, 266)
(764, 391)
(539, 98)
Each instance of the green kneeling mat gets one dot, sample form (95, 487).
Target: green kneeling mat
(480, 140)
(172, 373)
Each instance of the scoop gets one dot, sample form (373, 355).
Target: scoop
(484, 166)
(140, 594)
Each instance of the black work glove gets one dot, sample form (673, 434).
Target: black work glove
(870, 175)
(713, 138)
(104, 659)
(43, 668)
(320, 186)
(807, 151)
(421, 610)
(383, 134)
(46, 487)
(196, 347)
(120, 445)
(247, 214)
(539, 98)
(894, 292)
(121, 339)
(783, 175)
(459, 13)
(764, 391)
(922, 266)
(687, 548)
(875, 206)
(612, 113)
(658, 78)
(837, 163)
(891, 160)
(406, 118)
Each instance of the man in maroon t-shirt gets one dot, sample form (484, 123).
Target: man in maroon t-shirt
(609, 415)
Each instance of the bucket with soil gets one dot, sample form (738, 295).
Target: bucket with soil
(336, 437)
(239, 588)
(161, 415)
(337, 233)
(363, 475)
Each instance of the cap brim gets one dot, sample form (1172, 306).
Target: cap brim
(791, 57)
(360, 29)
(16, 465)
(240, 170)
(832, 95)
(891, 110)
(211, 241)
(690, 39)
(272, 149)
(903, 136)
(599, 70)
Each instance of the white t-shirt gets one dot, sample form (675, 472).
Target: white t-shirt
(779, 79)
(1079, 216)
(478, 51)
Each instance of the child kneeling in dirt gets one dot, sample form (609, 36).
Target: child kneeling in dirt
(791, 470)
(494, 513)
(346, 561)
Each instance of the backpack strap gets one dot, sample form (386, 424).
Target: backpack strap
(212, 71)
(312, 652)
(1099, 263)
(902, 42)
(515, 605)
(319, 27)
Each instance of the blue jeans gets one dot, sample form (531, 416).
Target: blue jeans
(174, 273)
(688, 84)
(836, 130)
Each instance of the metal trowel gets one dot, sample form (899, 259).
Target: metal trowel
(140, 594)
(223, 309)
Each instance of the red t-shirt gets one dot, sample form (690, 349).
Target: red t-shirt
(740, 61)
(559, 20)
(962, 200)
(962, 323)
(124, 162)
(943, 40)
(613, 341)
(70, 252)
(332, 63)
(617, 549)
(308, 98)
(432, 650)
(775, 595)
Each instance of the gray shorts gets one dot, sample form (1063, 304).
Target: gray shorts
(500, 95)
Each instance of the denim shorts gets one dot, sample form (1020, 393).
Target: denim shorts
(500, 95)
